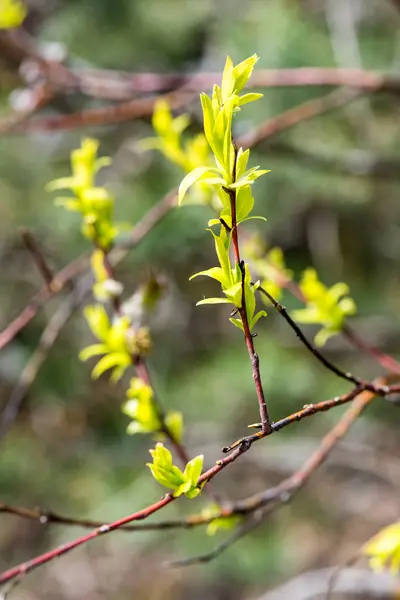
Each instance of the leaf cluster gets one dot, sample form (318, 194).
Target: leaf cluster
(171, 476)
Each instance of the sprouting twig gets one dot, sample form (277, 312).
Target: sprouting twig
(262, 132)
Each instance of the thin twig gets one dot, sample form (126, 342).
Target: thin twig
(314, 351)
(249, 524)
(144, 374)
(48, 517)
(37, 256)
(255, 362)
(386, 361)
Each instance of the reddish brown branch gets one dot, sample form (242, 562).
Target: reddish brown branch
(255, 362)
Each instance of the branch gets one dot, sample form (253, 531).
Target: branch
(314, 351)
(37, 256)
(386, 361)
(303, 112)
(119, 85)
(125, 111)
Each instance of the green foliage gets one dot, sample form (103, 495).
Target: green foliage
(328, 307)
(232, 282)
(224, 523)
(187, 154)
(119, 343)
(231, 181)
(269, 265)
(218, 111)
(12, 13)
(141, 408)
(170, 476)
(95, 204)
(383, 549)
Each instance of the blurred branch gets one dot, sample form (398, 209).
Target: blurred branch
(121, 85)
(124, 111)
(303, 112)
(37, 256)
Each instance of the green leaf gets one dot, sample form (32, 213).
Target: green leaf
(98, 321)
(237, 322)
(110, 361)
(228, 80)
(174, 422)
(252, 217)
(234, 293)
(215, 273)
(256, 318)
(244, 203)
(241, 162)
(94, 350)
(243, 71)
(208, 119)
(214, 301)
(193, 470)
(222, 243)
(246, 98)
(192, 178)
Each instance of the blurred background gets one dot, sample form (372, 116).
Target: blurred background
(332, 202)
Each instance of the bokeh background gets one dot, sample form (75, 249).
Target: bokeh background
(332, 202)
